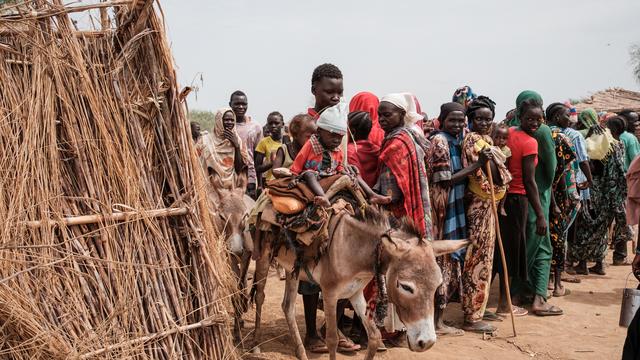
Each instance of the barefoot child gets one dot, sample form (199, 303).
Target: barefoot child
(321, 156)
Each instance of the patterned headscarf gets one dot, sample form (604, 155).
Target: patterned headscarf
(588, 118)
(464, 95)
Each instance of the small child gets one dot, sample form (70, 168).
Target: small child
(322, 156)
(361, 152)
(500, 136)
(268, 146)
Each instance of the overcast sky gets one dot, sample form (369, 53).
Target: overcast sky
(562, 49)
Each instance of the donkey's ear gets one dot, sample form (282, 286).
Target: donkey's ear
(443, 247)
(395, 247)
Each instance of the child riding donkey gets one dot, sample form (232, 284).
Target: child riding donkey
(322, 156)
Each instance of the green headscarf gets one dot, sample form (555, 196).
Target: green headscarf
(524, 96)
(588, 118)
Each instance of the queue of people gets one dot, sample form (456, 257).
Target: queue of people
(557, 179)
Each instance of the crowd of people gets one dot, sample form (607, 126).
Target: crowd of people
(555, 176)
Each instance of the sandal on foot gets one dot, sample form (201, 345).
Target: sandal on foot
(347, 346)
(623, 262)
(491, 316)
(479, 327)
(318, 347)
(598, 270)
(571, 279)
(564, 292)
(517, 311)
(551, 311)
(449, 331)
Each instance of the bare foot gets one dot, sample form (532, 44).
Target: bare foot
(380, 200)
(322, 201)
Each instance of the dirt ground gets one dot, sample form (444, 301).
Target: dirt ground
(588, 329)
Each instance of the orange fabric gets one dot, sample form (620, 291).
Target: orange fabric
(521, 145)
(368, 102)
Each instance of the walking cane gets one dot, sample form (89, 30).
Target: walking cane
(505, 272)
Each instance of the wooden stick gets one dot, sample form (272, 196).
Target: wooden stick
(66, 10)
(505, 271)
(122, 216)
(143, 339)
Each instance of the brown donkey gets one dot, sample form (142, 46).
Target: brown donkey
(357, 247)
(230, 210)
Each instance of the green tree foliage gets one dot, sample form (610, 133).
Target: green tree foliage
(203, 117)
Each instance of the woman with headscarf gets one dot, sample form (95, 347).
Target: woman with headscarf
(223, 155)
(402, 170)
(608, 194)
(368, 102)
(538, 243)
(481, 224)
(566, 198)
(448, 182)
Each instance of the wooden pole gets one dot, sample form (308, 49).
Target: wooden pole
(505, 271)
(121, 216)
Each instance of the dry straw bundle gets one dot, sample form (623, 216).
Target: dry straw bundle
(105, 251)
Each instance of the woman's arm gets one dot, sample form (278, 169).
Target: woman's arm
(529, 180)
(485, 156)
(586, 170)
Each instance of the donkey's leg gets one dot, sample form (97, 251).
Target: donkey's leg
(289, 309)
(236, 298)
(244, 269)
(375, 339)
(259, 282)
(330, 302)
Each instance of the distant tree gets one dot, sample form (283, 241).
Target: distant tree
(635, 60)
(203, 117)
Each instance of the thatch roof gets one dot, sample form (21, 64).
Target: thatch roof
(611, 100)
(107, 248)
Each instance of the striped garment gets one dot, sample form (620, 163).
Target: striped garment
(455, 225)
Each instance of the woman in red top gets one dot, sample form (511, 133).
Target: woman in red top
(368, 102)
(522, 190)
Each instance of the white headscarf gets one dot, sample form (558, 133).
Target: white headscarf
(334, 119)
(406, 102)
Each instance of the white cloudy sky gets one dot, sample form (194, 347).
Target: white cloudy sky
(562, 49)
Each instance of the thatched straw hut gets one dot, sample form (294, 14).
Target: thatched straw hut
(106, 248)
(611, 100)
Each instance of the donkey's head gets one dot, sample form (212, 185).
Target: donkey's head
(412, 279)
(233, 211)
